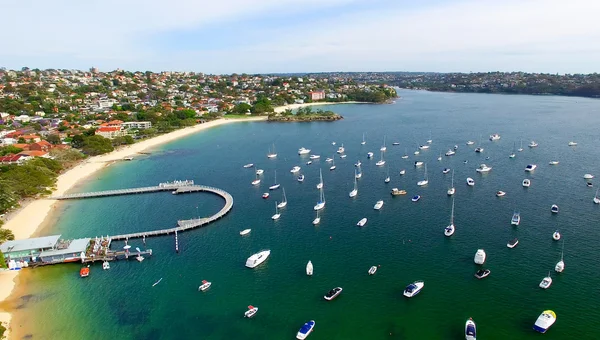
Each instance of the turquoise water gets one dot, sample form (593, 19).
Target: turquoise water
(405, 238)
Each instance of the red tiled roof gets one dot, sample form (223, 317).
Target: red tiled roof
(108, 128)
(33, 153)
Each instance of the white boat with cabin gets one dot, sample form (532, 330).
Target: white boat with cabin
(380, 162)
(272, 153)
(363, 140)
(251, 311)
(259, 171)
(572, 143)
(341, 149)
(544, 321)
(560, 265)
(596, 198)
(533, 144)
(309, 268)
(449, 230)
(372, 270)
(470, 330)
(526, 183)
(317, 219)
(204, 286)
(258, 258)
(413, 289)
(283, 202)
(362, 222)
(483, 168)
(516, 218)
(378, 205)
(332, 167)
(295, 169)
(494, 137)
(245, 232)
(303, 151)
(450, 152)
(553, 162)
(276, 185)
(530, 167)
(556, 235)
(321, 203)
(480, 256)
(546, 282)
(470, 181)
(314, 156)
(383, 148)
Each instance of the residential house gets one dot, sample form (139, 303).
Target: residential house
(31, 138)
(14, 159)
(110, 132)
(41, 146)
(136, 125)
(34, 153)
(317, 95)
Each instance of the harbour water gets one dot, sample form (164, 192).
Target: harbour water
(406, 239)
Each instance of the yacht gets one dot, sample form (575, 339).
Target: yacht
(516, 218)
(544, 321)
(470, 182)
(332, 167)
(494, 137)
(405, 156)
(303, 151)
(483, 168)
(358, 173)
(556, 236)
(265, 195)
(256, 181)
(276, 185)
(283, 203)
(418, 163)
(533, 144)
(204, 286)
(425, 180)
(245, 232)
(423, 147)
(362, 222)
(449, 230)
(526, 183)
(397, 192)
(588, 176)
(482, 273)
(314, 156)
(301, 178)
(341, 149)
(513, 154)
(305, 330)
(530, 167)
(295, 169)
(416, 198)
(277, 214)
(332, 294)
(369, 155)
(429, 141)
(596, 198)
(445, 170)
(257, 258)
(520, 149)
(378, 205)
(500, 193)
(249, 165)
(402, 172)
(450, 152)
(320, 184)
(413, 289)
(321, 203)
(309, 268)
(387, 178)
(546, 282)
(372, 270)
(272, 153)
(259, 171)
(363, 141)
(470, 330)
(380, 162)
(470, 142)
(354, 191)
(560, 265)
(383, 148)
(440, 157)
(512, 243)
(554, 209)
(451, 190)
(479, 256)
(553, 162)
(317, 219)
(572, 143)
(251, 312)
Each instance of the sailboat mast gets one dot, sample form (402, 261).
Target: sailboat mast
(452, 214)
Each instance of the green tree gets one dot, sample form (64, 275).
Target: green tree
(9, 149)
(53, 138)
(77, 141)
(96, 145)
(242, 108)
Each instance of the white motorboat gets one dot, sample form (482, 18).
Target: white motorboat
(251, 311)
(309, 268)
(470, 142)
(451, 190)
(277, 214)
(526, 183)
(204, 286)
(383, 148)
(423, 147)
(276, 185)
(470, 330)
(105, 265)
(402, 172)
(512, 243)
(455, 147)
(301, 178)
(259, 171)
(416, 152)
(533, 144)
(554, 209)
(283, 202)
(328, 160)
(546, 282)
(332, 143)
(309, 163)
(380, 162)
(500, 193)
(418, 163)
(139, 258)
(516, 218)
(321, 203)
(272, 153)
(588, 176)
(354, 191)
(445, 171)
(396, 143)
(245, 232)
(305, 330)
(317, 219)
(449, 230)
(450, 152)
(343, 156)
(483, 168)
(553, 162)
(332, 167)
(494, 137)
(425, 180)
(369, 155)
(416, 198)
(265, 195)
(363, 140)
(314, 156)
(258, 258)
(378, 205)
(413, 289)
(556, 236)
(249, 165)
(479, 149)
(530, 167)
(479, 256)
(332, 294)
(372, 270)
(362, 222)
(560, 265)
(544, 321)
(596, 198)
(295, 169)
(303, 151)
(572, 143)
(256, 181)
(470, 182)
(341, 149)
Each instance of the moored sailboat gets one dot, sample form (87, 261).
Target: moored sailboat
(449, 230)
(354, 191)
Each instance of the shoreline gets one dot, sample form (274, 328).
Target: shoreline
(280, 109)
(33, 215)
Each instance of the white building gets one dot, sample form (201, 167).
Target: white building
(136, 125)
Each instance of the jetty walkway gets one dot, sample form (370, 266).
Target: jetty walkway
(177, 187)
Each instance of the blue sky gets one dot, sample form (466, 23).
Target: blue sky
(264, 36)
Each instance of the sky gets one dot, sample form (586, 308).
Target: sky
(281, 36)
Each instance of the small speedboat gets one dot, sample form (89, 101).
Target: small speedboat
(274, 186)
(588, 176)
(553, 162)
(249, 165)
(204, 286)
(309, 163)
(423, 147)
(256, 181)
(259, 171)
(84, 272)
(328, 160)
(305, 330)
(343, 156)
(479, 256)
(554, 209)
(369, 155)
(332, 294)
(362, 222)
(479, 149)
(418, 163)
(556, 236)
(516, 218)
(251, 311)
(526, 183)
(470, 182)
(533, 144)
(470, 142)
(416, 152)
(416, 198)
(245, 232)
(301, 178)
(483, 168)
(105, 265)
(265, 195)
(512, 243)
(445, 171)
(451, 191)
(481, 273)
(402, 172)
(572, 143)
(396, 143)
(455, 147)
(449, 230)
(303, 151)
(530, 167)
(450, 152)
(500, 193)
(544, 321)
(309, 268)
(546, 282)
(413, 289)
(494, 137)
(470, 330)
(404, 156)
(314, 157)
(378, 205)
(372, 270)
(295, 169)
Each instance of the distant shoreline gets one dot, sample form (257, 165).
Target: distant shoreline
(280, 109)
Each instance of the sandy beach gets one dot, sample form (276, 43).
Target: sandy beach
(297, 106)
(29, 218)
